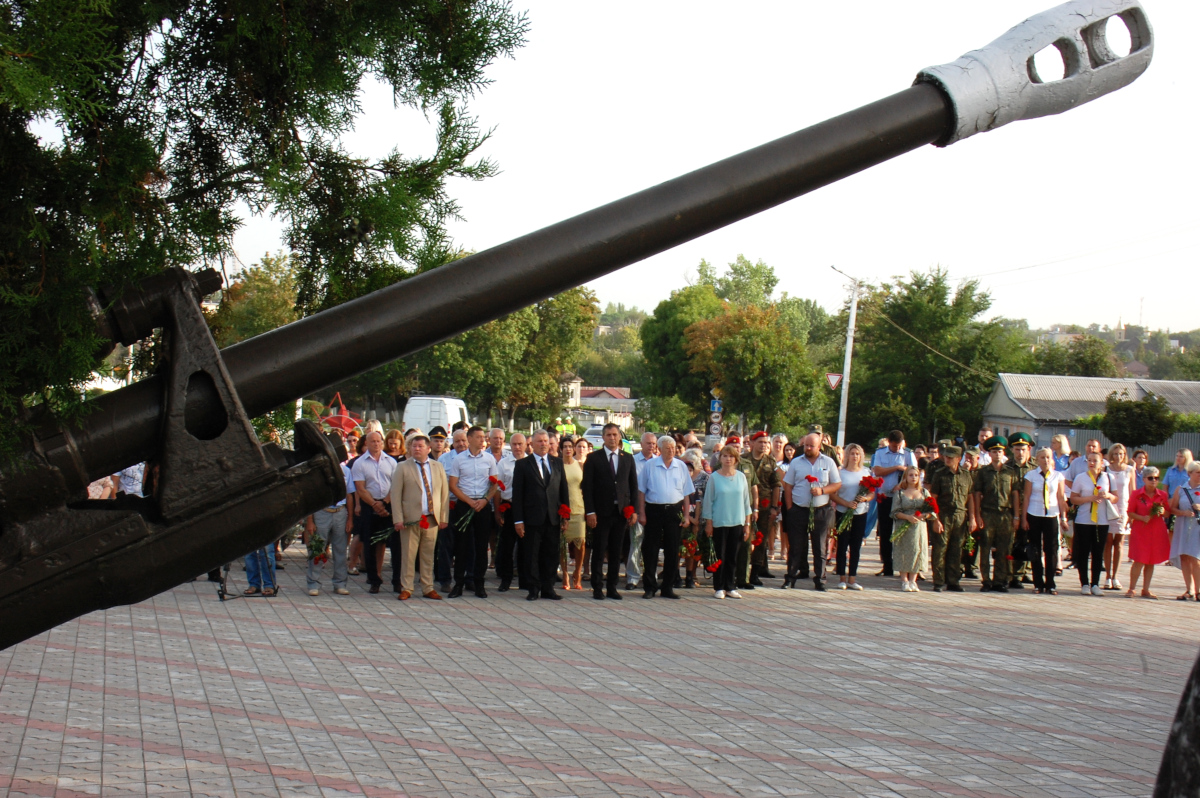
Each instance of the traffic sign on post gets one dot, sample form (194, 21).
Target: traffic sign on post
(714, 429)
(834, 380)
(715, 417)
(716, 406)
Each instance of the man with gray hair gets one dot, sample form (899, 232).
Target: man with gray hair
(664, 493)
(633, 541)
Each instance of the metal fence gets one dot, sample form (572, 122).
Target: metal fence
(1078, 436)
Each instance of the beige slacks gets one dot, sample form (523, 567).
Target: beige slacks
(414, 541)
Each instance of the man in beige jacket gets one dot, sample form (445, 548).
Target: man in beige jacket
(420, 506)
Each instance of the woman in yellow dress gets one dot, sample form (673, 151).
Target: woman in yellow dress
(574, 540)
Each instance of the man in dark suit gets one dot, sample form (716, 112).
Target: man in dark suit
(609, 487)
(539, 489)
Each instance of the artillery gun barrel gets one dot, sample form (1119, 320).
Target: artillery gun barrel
(980, 91)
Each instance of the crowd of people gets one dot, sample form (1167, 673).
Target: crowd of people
(546, 512)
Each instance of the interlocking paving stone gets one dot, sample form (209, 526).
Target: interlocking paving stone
(785, 693)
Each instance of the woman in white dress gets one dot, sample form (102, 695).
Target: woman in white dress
(1120, 484)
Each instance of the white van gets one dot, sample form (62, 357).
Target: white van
(426, 412)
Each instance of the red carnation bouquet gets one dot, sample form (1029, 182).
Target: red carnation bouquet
(866, 489)
(494, 487)
(316, 549)
(564, 512)
(708, 555)
(628, 512)
(424, 522)
(812, 498)
(929, 507)
(758, 538)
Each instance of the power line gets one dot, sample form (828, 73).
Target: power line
(885, 317)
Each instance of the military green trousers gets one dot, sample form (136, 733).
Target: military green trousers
(947, 549)
(997, 533)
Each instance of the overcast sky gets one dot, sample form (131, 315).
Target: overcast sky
(607, 99)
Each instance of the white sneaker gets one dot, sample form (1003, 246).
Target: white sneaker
(855, 586)
(906, 587)
(1108, 584)
(341, 591)
(1096, 590)
(1116, 583)
(1086, 590)
(314, 592)
(720, 594)
(914, 588)
(733, 594)
(841, 585)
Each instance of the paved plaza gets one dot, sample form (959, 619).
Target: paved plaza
(878, 693)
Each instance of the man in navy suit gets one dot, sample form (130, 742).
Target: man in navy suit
(539, 490)
(609, 487)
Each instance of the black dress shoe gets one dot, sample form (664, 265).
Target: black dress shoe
(504, 586)
(613, 594)
(985, 587)
(1025, 580)
(765, 575)
(754, 580)
(550, 594)
(969, 575)
(937, 589)
(819, 587)
(670, 594)
(374, 589)
(648, 594)
(533, 596)
(787, 583)
(999, 589)
(597, 594)
(954, 588)
(456, 591)
(1015, 584)
(481, 593)
(688, 584)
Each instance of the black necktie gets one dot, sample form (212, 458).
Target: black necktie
(612, 461)
(545, 469)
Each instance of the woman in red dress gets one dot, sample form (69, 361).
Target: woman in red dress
(1149, 541)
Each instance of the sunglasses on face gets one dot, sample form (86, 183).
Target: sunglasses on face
(1151, 479)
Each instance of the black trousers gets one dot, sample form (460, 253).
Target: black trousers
(726, 541)
(884, 533)
(850, 543)
(1089, 541)
(608, 538)
(1042, 542)
(506, 541)
(799, 539)
(471, 543)
(367, 525)
(661, 532)
(540, 566)
(443, 553)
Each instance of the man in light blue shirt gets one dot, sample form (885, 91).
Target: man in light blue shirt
(470, 476)
(888, 464)
(664, 500)
(811, 479)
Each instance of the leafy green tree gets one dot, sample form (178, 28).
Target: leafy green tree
(1180, 366)
(1087, 356)
(752, 356)
(1142, 422)
(744, 283)
(922, 347)
(173, 116)
(806, 320)
(663, 412)
(664, 344)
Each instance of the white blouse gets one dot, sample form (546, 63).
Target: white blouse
(1083, 486)
(1037, 500)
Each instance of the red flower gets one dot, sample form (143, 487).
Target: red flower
(505, 507)
(564, 511)
(931, 504)
(870, 483)
(496, 481)
(1008, 557)
(764, 503)
(917, 514)
(758, 538)
(712, 569)
(424, 522)
(812, 479)
(628, 512)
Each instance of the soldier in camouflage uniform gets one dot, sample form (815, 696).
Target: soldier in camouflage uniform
(951, 486)
(1020, 446)
(993, 490)
(766, 507)
(935, 459)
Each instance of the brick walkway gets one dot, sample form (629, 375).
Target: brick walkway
(878, 693)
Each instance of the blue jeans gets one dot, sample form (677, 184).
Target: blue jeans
(260, 567)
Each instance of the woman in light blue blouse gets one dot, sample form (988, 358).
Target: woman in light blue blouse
(727, 514)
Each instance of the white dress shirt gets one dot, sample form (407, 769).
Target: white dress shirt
(428, 471)
(507, 466)
(376, 475)
(473, 471)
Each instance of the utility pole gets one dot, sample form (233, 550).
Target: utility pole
(841, 431)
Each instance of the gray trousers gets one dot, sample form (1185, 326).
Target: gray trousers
(332, 527)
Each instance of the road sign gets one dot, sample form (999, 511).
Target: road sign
(833, 379)
(715, 417)
(716, 392)
(716, 406)
(714, 429)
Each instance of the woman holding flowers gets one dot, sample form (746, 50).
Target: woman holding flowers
(1149, 541)
(574, 538)
(1185, 541)
(910, 540)
(727, 515)
(852, 501)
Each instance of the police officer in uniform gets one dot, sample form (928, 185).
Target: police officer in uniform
(951, 486)
(993, 490)
(1020, 447)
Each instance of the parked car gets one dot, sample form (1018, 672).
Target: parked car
(595, 436)
(426, 412)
